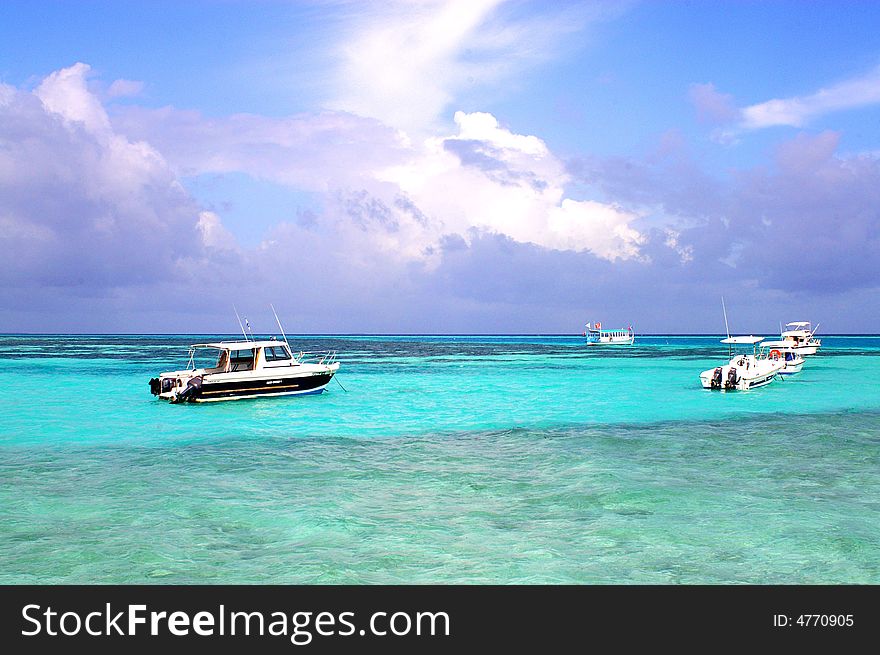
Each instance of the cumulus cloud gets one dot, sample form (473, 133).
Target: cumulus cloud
(474, 229)
(808, 225)
(65, 94)
(214, 234)
(96, 204)
(489, 179)
(818, 215)
(80, 205)
(403, 196)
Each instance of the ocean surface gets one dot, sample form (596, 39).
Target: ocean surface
(457, 459)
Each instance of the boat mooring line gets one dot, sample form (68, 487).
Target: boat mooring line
(340, 384)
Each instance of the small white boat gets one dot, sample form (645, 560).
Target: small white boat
(799, 337)
(743, 371)
(596, 336)
(782, 350)
(247, 369)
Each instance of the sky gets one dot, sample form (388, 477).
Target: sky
(439, 166)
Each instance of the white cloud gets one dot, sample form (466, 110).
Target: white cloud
(402, 64)
(313, 152)
(406, 62)
(484, 127)
(125, 88)
(401, 197)
(214, 233)
(489, 179)
(7, 93)
(65, 93)
(799, 110)
(685, 252)
(80, 204)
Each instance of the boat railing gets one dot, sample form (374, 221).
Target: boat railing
(324, 357)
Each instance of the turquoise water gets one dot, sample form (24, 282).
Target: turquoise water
(448, 459)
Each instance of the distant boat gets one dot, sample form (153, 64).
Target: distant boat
(596, 336)
(782, 350)
(744, 371)
(799, 336)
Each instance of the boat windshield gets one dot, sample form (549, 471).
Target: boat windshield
(276, 354)
(241, 360)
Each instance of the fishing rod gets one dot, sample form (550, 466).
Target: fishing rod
(244, 334)
(277, 320)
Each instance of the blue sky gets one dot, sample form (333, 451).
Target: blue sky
(439, 166)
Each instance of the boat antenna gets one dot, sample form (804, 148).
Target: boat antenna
(814, 330)
(724, 311)
(244, 334)
(279, 325)
(726, 327)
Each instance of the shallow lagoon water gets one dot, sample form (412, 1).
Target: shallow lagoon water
(448, 459)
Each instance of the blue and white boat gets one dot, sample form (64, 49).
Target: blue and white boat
(596, 336)
(784, 351)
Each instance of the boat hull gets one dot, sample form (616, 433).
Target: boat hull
(744, 384)
(801, 342)
(292, 386)
(791, 369)
(758, 374)
(202, 387)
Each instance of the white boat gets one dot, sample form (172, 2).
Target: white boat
(799, 336)
(247, 369)
(743, 371)
(782, 350)
(596, 336)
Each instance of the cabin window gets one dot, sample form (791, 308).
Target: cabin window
(241, 360)
(222, 359)
(276, 353)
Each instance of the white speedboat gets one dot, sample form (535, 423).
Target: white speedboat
(782, 350)
(743, 371)
(799, 337)
(246, 369)
(596, 336)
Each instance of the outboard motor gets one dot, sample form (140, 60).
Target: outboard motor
(167, 385)
(154, 386)
(716, 379)
(193, 388)
(731, 379)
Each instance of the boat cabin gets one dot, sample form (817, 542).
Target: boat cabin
(241, 356)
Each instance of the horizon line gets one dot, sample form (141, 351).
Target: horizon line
(406, 334)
